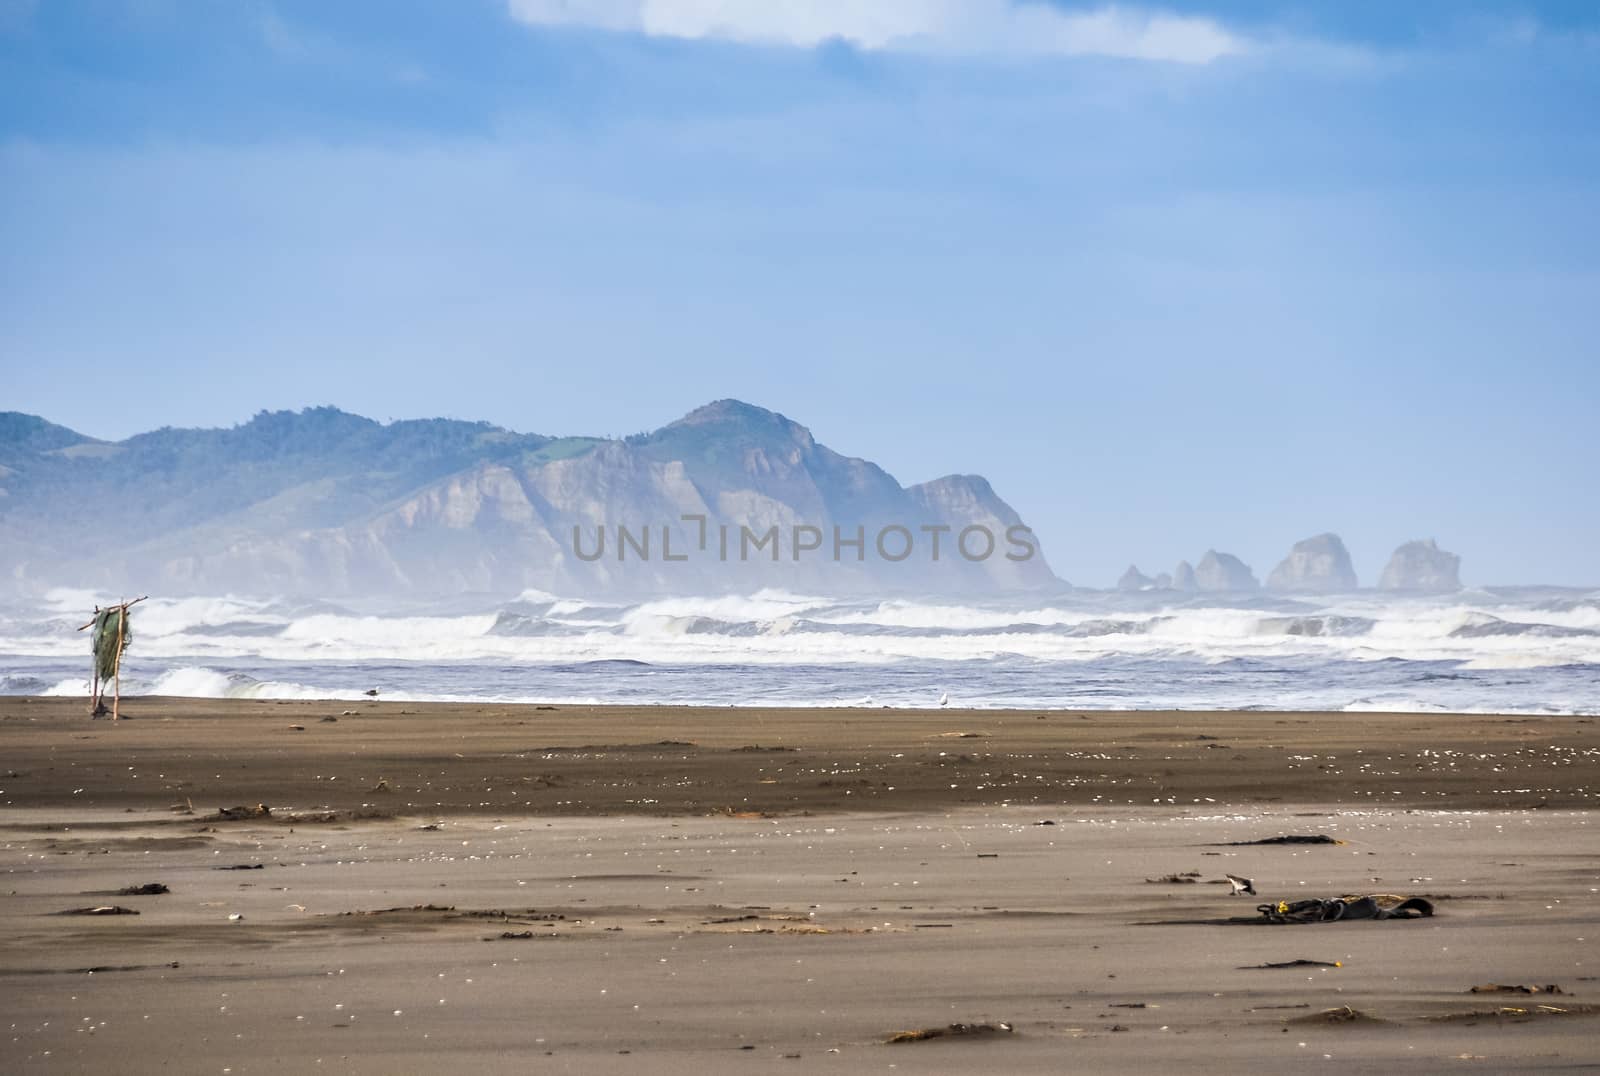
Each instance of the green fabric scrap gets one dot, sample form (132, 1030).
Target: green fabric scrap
(107, 652)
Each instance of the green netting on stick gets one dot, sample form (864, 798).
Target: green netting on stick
(110, 629)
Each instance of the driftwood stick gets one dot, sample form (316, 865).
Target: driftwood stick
(125, 606)
(116, 663)
(94, 672)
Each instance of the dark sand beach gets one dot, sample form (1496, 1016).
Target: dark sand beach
(514, 888)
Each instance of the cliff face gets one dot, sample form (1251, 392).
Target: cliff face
(325, 502)
(1183, 577)
(1223, 571)
(1318, 565)
(974, 512)
(1422, 565)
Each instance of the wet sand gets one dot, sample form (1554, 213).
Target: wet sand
(498, 888)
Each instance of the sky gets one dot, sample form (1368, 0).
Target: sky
(1172, 277)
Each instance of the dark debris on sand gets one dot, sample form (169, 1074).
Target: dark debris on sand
(235, 814)
(1518, 1014)
(1302, 963)
(950, 1031)
(260, 812)
(98, 969)
(1342, 1014)
(1380, 906)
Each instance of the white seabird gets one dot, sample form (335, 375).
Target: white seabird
(1240, 885)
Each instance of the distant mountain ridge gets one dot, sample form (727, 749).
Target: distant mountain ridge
(323, 501)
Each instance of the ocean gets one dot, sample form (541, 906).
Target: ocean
(1518, 650)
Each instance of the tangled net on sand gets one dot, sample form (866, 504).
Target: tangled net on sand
(112, 634)
(1337, 909)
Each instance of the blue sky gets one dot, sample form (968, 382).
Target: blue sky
(1172, 277)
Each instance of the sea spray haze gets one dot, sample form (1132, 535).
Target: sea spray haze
(728, 499)
(1513, 650)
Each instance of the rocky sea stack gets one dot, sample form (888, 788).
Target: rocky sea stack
(1422, 566)
(1134, 579)
(1318, 565)
(1224, 571)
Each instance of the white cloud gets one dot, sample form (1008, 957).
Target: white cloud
(940, 26)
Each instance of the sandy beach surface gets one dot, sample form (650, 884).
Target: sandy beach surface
(431, 888)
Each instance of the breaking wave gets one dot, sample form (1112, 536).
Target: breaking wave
(1533, 650)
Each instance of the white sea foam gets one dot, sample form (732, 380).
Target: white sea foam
(762, 605)
(1518, 661)
(172, 617)
(382, 636)
(72, 599)
(68, 687)
(910, 614)
(193, 683)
